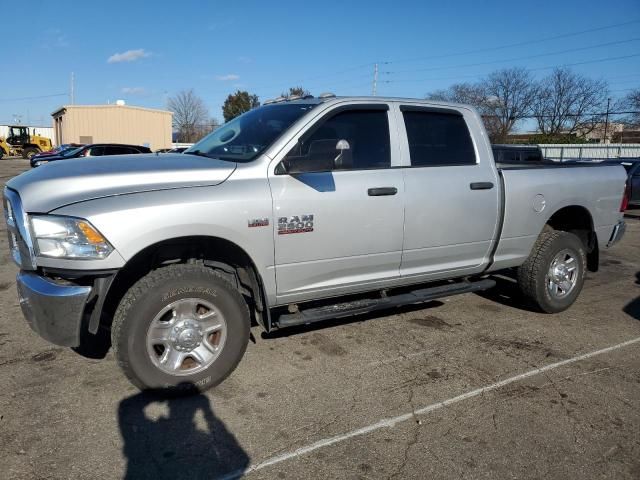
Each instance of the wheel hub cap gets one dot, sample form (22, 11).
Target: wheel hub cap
(186, 336)
(563, 274)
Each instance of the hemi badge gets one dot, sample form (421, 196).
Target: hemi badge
(259, 222)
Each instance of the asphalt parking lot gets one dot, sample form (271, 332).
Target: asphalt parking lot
(475, 386)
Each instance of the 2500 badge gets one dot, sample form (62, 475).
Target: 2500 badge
(295, 224)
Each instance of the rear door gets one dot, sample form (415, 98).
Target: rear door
(451, 192)
(339, 225)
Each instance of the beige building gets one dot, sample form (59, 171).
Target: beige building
(112, 124)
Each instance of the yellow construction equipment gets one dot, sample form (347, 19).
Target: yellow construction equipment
(19, 142)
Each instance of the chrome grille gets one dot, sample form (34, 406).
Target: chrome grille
(17, 229)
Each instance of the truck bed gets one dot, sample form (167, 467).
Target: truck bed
(550, 164)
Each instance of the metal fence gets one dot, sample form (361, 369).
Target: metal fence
(590, 151)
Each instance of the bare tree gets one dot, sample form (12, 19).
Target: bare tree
(630, 103)
(467, 93)
(567, 101)
(299, 91)
(503, 98)
(509, 96)
(189, 115)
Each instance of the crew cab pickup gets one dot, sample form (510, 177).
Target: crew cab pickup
(294, 212)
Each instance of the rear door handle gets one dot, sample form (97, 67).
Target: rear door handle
(382, 191)
(481, 185)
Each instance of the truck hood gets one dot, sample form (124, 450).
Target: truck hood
(57, 184)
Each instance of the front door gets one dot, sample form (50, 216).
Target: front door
(338, 206)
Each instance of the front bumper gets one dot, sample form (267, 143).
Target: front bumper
(52, 310)
(617, 233)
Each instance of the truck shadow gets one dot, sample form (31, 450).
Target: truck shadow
(633, 307)
(187, 442)
(506, 292)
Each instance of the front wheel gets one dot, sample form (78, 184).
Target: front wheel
(180, 327)
(28, 153)
(553, 274)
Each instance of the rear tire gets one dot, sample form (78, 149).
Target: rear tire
(180, 328)
(553, 274)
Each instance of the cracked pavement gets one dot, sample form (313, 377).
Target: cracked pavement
(66, 416)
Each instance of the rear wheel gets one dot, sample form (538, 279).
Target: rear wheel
(553, 275)
(180, 327)
(29, 152)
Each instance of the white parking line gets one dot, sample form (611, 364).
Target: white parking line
(393, 421)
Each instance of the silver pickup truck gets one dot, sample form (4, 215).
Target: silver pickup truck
(295, 212)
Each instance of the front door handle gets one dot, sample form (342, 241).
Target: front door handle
(382, 191)
(481, 185)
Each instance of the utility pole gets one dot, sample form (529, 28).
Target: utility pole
(71, 91)
(606, 120)
(374, 89)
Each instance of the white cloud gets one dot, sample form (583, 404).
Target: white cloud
(228, 77)
(128, 56)
(133, 90)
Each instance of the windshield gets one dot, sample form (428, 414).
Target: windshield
(71, 152)
(247, 136)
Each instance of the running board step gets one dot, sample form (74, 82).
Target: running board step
(356, 307)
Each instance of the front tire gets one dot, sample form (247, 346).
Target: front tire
(553, 274)
(181, 327)
(29, 152)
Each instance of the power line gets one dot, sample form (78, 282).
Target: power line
(17, 99)
(518, 44)
(618, 42)
(605, 59)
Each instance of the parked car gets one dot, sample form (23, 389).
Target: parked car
(293, 213)
(517, 153)
(178, 150)
(93, 150)
(59, 150)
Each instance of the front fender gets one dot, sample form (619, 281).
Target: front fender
(134, 222)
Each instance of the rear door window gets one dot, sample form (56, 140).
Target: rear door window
(437, 138)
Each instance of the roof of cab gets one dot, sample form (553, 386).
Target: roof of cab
(339, 99)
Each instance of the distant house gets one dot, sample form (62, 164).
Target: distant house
(117, 123)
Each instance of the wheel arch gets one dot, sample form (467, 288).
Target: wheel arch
(578, 220)
(215, 252)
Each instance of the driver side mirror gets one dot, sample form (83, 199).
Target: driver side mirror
(320, 157)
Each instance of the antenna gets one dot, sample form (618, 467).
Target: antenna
(374, 89)
(72, 89)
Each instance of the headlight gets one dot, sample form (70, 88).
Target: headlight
(68, 237)
(41, 162)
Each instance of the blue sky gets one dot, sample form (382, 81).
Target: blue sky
(143, 52)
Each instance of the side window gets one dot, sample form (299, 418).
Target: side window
(116, 151)
(349, 140)
(532, 156)
(95, 151)
(437, 139)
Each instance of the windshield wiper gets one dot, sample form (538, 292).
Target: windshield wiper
(199, 153)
